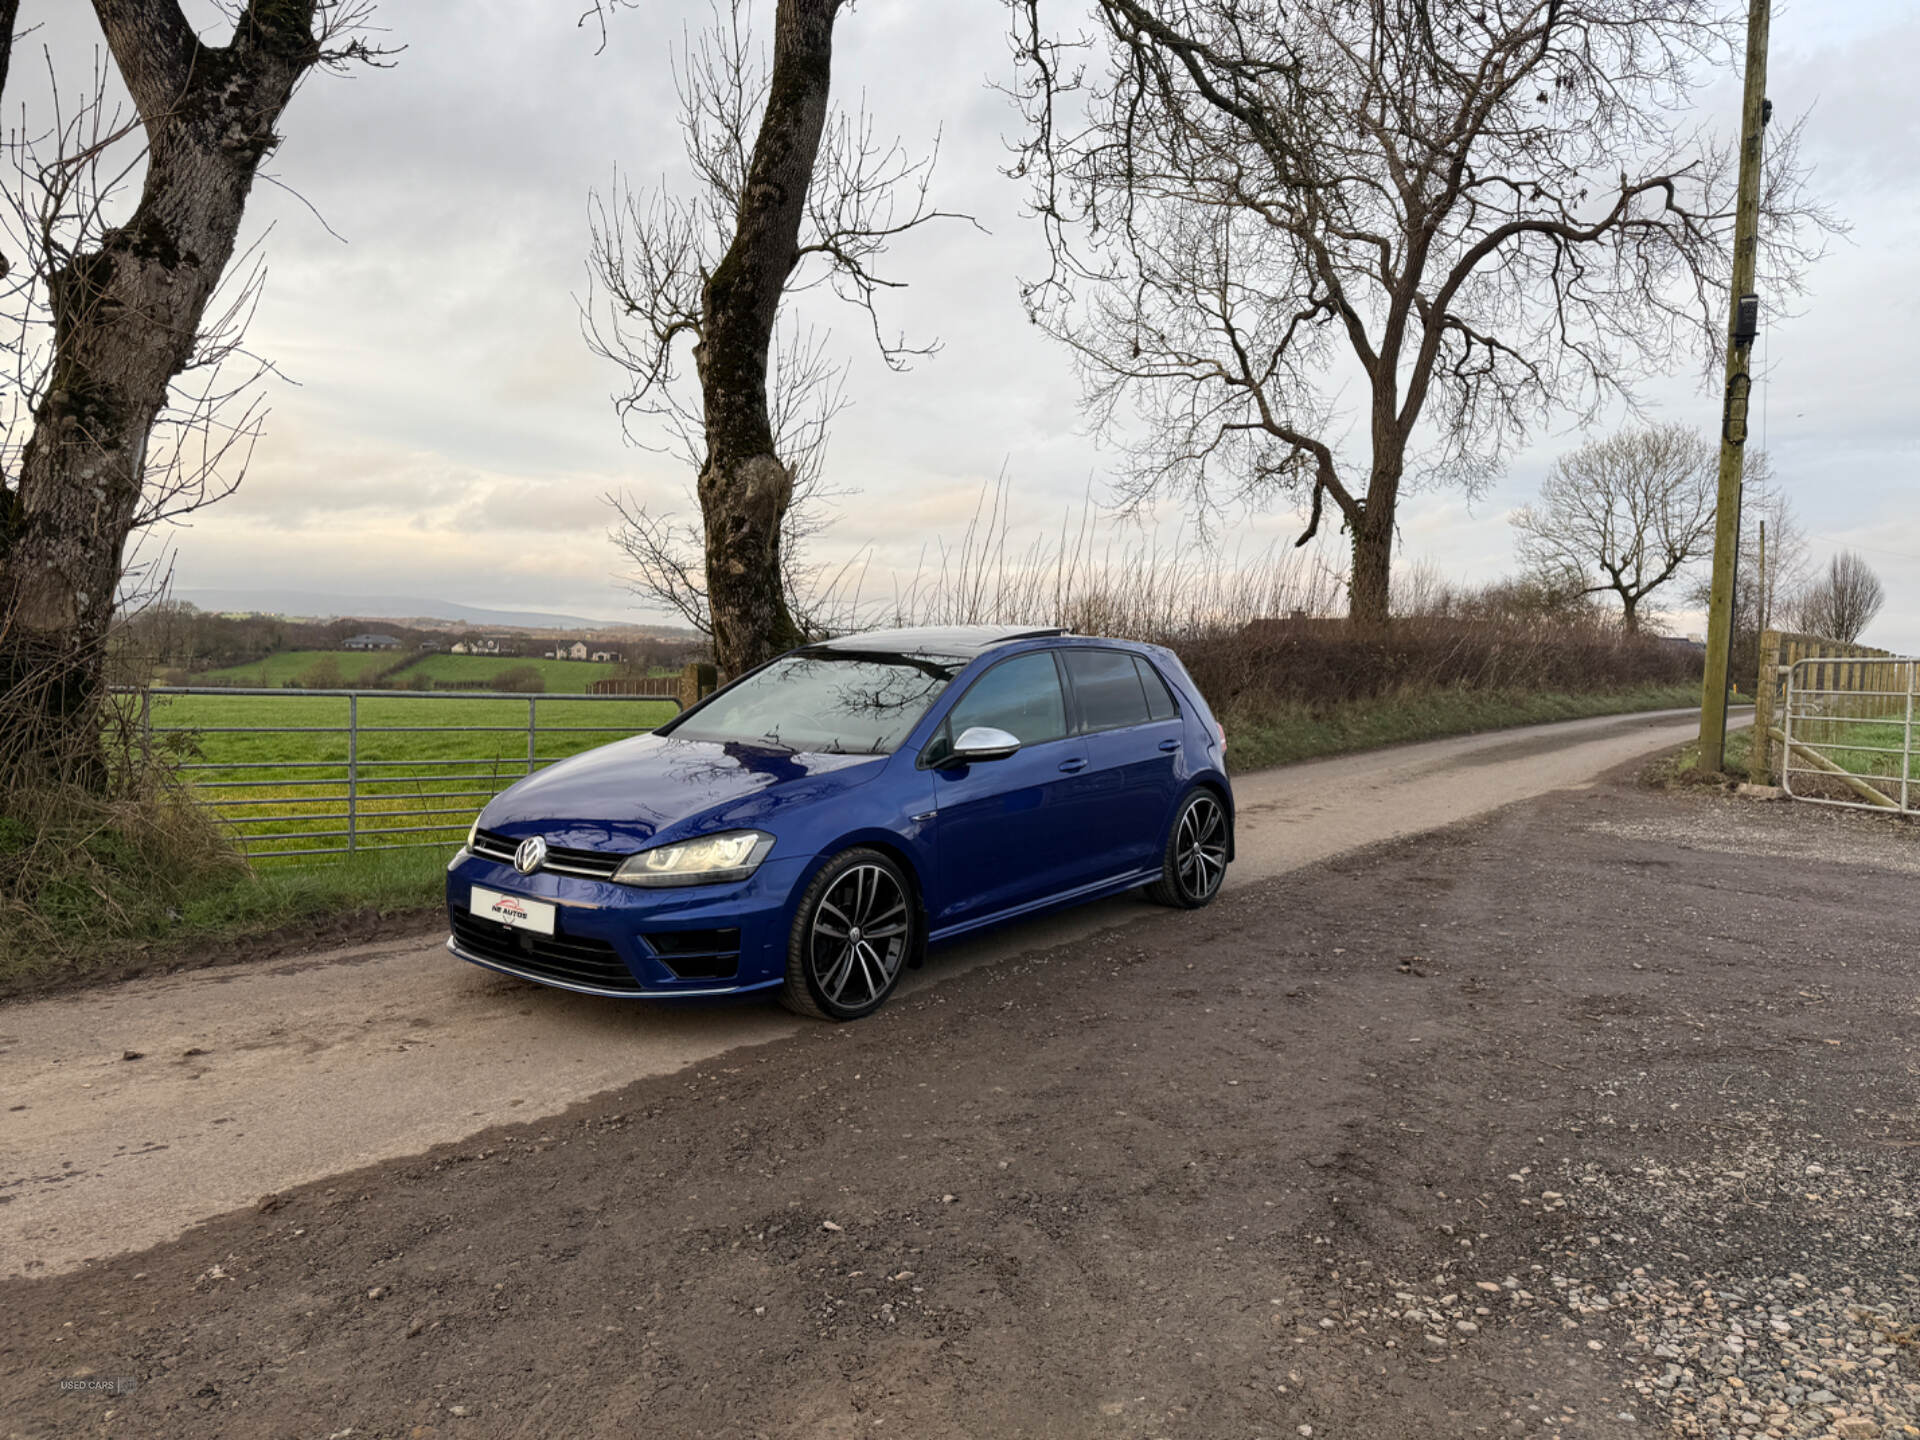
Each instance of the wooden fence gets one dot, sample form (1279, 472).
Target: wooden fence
(1841, 668)
(689, 687)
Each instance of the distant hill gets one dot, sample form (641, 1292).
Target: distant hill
(306, 604)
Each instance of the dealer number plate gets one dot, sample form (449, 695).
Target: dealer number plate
(512, 910)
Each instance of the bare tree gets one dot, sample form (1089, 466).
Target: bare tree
(789, 194)
(1625, 514)
(1842, 603)
(1771, 573)
(131, 308)
(1774, 558)
(1468, 212)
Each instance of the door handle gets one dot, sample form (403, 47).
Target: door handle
(1069, 767)
(1169, 745)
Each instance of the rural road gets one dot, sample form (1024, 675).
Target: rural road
(135, 1111)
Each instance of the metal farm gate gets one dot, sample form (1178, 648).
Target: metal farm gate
(300, 773)
(1846, 732)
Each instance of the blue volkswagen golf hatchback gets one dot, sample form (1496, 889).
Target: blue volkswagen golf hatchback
(811, 827)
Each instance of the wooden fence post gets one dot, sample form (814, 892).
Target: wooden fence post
(697, 681)
(1760, 757)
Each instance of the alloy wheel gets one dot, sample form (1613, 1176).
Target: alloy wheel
(1200, 851)
(859, 936)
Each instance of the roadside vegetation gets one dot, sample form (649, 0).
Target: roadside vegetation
(112, 890)
(1284, 733)
(1681, 767)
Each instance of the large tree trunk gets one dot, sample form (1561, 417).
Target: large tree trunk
(125, 316)
(1369, 590)
(1370, 587)
(744, 488)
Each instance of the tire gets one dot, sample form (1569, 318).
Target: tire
(1195, 860)
(866, 895)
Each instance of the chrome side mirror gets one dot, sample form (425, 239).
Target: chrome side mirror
(981, 742)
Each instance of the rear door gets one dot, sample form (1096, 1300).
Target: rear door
(1010, 831)
(1133, 734)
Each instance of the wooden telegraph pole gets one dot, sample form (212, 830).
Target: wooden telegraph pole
(1743, 326)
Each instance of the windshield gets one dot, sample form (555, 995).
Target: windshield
(825, 702)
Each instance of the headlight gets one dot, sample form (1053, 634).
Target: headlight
(466, 849)
(709, 860)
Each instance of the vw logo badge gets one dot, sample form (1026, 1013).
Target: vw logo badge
(531, 854)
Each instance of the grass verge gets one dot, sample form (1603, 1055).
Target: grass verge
(96, 890)
(1680, 767)
(1280, 735)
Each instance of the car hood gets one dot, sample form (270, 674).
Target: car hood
(625, 795)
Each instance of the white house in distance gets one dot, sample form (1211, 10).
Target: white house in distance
(370, 642)
(606, 657)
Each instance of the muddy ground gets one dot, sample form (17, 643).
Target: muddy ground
(1597, 1116)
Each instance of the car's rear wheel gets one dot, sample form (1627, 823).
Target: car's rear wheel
(1195, 861)
(853, 932)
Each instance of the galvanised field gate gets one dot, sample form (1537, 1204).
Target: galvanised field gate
(1847, 730)
(299, 773)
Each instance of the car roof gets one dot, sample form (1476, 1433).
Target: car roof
(957, 641)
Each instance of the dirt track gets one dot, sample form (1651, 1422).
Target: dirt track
(255, 1078)
(1597, 1116)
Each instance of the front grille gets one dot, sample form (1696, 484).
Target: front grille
(571, 959)
(698, 954)
(591, 864)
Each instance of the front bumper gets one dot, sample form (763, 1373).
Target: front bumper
(629, 943)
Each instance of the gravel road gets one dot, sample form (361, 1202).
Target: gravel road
(254, 1078)
(1596, 1116)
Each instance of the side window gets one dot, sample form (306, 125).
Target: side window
(1107, 688)
(1159, 701)
(1020, 696)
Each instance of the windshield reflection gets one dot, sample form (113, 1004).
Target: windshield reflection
(837, 704)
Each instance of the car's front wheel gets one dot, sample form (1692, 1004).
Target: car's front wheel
(1195, 860)
(853, 933)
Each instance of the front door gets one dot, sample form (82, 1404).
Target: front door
(1012, 831)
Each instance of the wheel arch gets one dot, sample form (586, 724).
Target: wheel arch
(1216, 785)
(1225, 797)
(887, 844)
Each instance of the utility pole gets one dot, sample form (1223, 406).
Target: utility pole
(1743, 325)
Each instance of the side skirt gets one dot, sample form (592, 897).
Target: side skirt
(1098, 890)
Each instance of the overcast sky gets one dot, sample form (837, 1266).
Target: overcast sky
(444, 431)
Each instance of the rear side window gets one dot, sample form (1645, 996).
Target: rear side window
(1159, 701)
(1020, 696)
(1107, 688)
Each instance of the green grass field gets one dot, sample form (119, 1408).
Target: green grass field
(429, 761)
(359, 667)
(276, 670)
